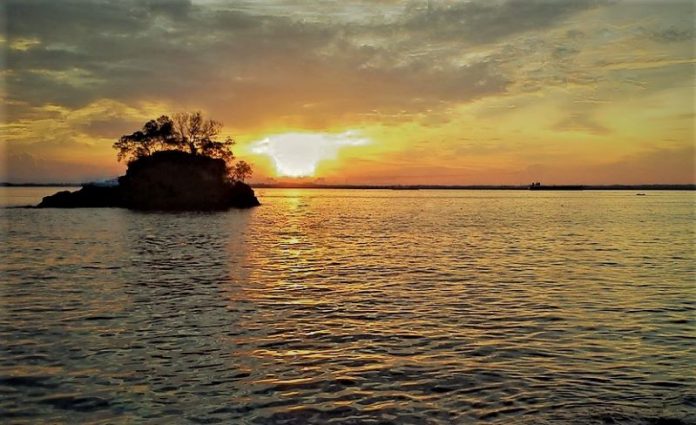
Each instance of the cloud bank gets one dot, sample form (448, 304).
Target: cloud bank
(547, 74)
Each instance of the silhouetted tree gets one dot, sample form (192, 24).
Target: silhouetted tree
(188, 132)
(241, 171)
(156, 135)
(197, 135)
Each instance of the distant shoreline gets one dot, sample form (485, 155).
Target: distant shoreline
(686, 187)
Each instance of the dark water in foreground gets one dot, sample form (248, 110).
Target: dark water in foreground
(345, 306)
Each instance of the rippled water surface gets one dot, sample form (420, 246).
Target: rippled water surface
(338, 306)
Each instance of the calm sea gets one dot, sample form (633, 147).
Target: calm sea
(349, 306)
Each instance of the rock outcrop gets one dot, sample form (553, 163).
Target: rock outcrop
(166, 181)
(90, 196)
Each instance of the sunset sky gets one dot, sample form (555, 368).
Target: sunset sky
(360, 92)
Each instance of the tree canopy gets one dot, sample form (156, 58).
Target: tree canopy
(241, 171)
(188, 132)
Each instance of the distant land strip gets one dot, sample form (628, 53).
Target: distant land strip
(478, 187)
(419, 187)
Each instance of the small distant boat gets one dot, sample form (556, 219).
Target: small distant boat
(538, 186)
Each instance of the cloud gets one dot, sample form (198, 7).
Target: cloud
(672, 34)
(489, 21)
(581, 122)
(344, 58)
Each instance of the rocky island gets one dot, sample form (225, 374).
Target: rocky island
(167, 180)
(174, 165)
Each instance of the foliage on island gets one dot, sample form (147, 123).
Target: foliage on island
(188, 132)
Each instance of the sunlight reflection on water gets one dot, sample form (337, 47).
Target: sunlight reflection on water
(327, 306)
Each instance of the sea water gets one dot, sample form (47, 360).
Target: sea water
(353, 306)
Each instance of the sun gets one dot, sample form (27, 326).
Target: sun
(298, 154)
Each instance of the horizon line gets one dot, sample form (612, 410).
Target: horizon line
(610, 186)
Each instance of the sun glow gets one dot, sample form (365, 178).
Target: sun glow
(298, 154)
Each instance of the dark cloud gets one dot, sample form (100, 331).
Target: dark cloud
(75, 21)
(36, 88)
(173, 9)
(489, 21)
(672, 34)
(42, 58)
(228, 57)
